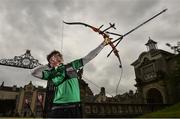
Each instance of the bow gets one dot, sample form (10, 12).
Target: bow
(105, 36)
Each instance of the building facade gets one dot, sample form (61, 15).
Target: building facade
(23, 102)
(30, 101)
(155, 72)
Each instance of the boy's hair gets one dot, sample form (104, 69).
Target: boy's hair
(55, 52)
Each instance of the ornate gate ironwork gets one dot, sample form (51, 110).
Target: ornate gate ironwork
(24, 61)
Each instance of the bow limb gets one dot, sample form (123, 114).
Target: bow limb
(80, 23)
(115, 51)
(119, 59)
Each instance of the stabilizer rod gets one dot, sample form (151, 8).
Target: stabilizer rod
(121, 37)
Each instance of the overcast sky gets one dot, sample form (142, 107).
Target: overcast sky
(37, 25)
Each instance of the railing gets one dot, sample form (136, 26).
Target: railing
(118, 110)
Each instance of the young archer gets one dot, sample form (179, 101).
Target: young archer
(66, 100)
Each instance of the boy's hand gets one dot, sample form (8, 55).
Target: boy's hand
(107, 41)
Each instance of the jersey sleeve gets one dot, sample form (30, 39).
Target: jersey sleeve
(56, 75)
(58, 79)
(46, 75)
(77, 64)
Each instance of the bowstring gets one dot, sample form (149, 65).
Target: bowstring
(98, 87)
(120, 77)
(62, 36)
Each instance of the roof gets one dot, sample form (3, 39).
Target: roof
(8, 88)
(152, 53)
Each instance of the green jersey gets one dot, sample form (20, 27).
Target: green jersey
(66, 82)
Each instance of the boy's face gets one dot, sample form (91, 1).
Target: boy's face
(55, 60)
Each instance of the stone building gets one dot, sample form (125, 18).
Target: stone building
(29, 101)
(157, 75)
(128, 98)
(24, 102)
(8, 97)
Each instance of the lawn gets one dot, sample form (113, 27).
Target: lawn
(173, 111)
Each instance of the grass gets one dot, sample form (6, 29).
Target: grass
(169, 112)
